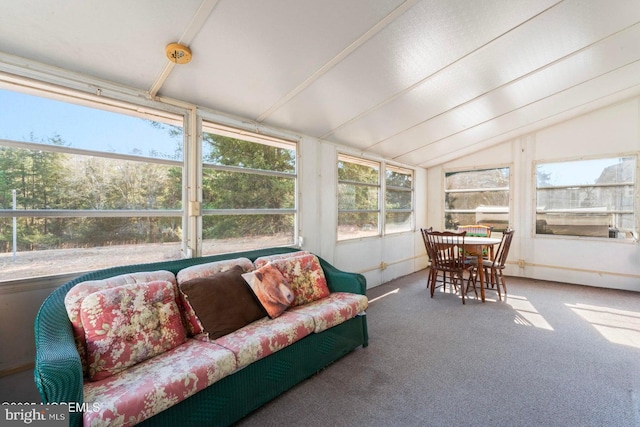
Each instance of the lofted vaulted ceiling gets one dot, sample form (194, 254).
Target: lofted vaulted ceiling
(419, 82)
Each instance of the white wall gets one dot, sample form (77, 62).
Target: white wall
(610, 263)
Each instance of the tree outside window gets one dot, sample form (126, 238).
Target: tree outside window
(358, 198)
(478, 196)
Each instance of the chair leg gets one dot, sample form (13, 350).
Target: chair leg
(433, 277)
(504, 282)
(494, 275)
(494, 278)
(454, 282)
(489, 273)
(472, 281)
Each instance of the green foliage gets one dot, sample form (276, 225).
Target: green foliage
(238, 189)
(357, 190)
(46, 180)
(227, 151)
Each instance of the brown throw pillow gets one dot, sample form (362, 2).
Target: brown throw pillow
(223, 302)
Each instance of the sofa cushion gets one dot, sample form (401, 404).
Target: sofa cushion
(75, 296)
(337, 308)
(222, 302)
(305, 277)
(270, 289)
(154, 385)
(266, 336)
(128, 324)
(211, 268)
(259, 262)
(194, 327)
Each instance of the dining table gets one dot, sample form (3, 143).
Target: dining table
(474, 246)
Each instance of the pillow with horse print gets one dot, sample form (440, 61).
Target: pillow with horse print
(129, 324)
(270, 288)
(305, 277)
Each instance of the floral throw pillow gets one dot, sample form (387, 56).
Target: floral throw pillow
(129, 324)
(270, 288)
(75, 296)
(305, 277)
(259, 262)
(211, 268)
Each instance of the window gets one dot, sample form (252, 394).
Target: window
(398, 200)
(358, 198)
(477, 197)
(248, 191)
(586, 197)
(84, 188)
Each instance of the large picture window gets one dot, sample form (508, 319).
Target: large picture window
(358, 198)
(84, 188)
(477, 197)
(586, 197)
(248, 191)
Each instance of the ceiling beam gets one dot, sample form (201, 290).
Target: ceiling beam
(192, 30)
(383, 23)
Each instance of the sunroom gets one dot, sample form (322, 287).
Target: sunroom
(146, 131)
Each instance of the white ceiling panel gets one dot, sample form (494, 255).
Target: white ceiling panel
(584, 65)
(425, 39)
(530, 47)
(623, 80)
(255, 52)
(120, 41)
(418, 81)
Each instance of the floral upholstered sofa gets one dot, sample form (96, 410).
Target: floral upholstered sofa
(201, 341)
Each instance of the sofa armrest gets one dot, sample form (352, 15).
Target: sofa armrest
(58, 369)
(342, 281)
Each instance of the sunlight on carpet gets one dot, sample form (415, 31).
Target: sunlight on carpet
(395, 291)
(526, 313)
(617, 326)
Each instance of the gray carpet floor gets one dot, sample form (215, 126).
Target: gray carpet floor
(551, 354)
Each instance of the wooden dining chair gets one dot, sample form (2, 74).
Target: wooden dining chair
(493, 268)
(432, 271)
(433, 280)
(448, 255)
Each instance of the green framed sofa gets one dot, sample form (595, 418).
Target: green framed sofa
(209, 381)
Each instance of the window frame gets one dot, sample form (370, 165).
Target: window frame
(614, 231)
(210, 126)
(348, 158)
(381, 187)
(166, 116)
(498, 209)
(411, 190)
(189, 215)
